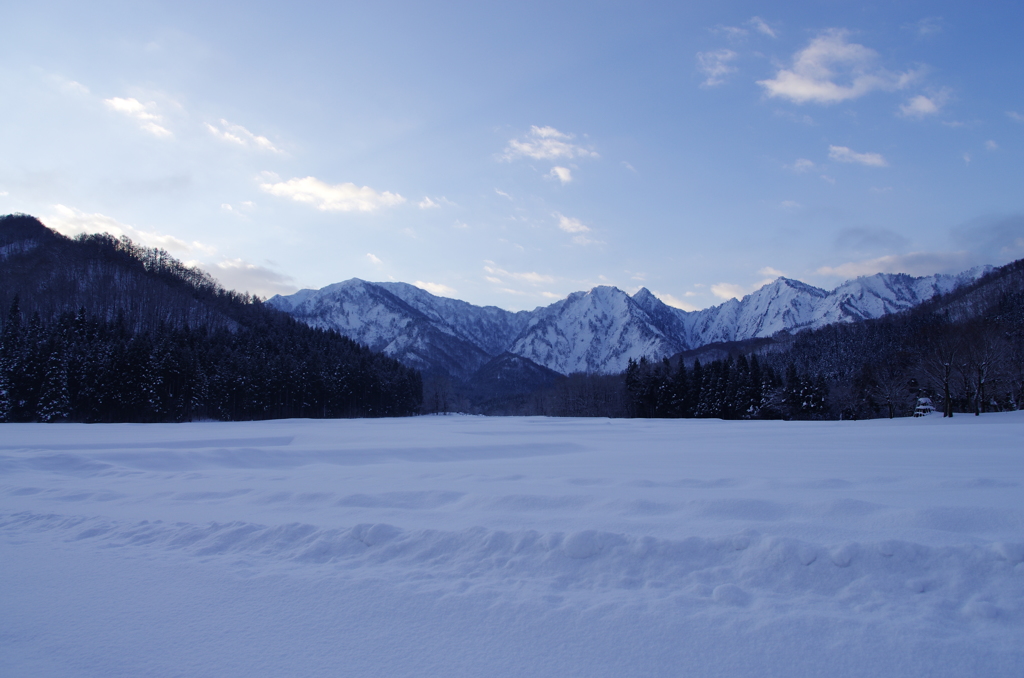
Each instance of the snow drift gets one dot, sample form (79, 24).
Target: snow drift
(478, 546)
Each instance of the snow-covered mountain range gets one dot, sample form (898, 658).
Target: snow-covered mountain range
(594, 331)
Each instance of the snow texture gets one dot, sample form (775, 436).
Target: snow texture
(469, 546)
(595, 331)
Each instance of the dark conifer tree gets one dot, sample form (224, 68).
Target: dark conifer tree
(696, 385)
(10, 356)
(681, 392)
(54, 400)
(744, 389)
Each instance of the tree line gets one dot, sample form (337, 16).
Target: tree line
(83, 368)
(153, 340)
(963, 352)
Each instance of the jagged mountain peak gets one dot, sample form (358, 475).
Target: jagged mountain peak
(783, 283)
(596, 330)
(644, 297)
(597, 293)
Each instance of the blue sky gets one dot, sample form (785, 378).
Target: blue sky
(511, 153)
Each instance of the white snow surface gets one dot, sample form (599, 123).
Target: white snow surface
(594, 331)
(471, 546)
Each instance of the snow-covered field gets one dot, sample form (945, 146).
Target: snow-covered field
(465, 546)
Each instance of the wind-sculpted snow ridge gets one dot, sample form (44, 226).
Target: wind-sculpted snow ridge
(737, 570)
(595, 331)
(467, 546)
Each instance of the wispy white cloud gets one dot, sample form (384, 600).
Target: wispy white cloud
(571, 224)
(502, 193)
(68, 86)
(926, 27)
(70, 221)
(243, 207)
(578, 229)
(967, 158)
(546, 143)
(728, 291)
(844, 154)
(240, 275)
(801, 165)
(733, 291)
(373, 259)
(790, 205)
(531, 277)
(429, 203)
(534, 277)
(1014, 115)
(345, 197)
(437, 289)
(734, 33)
(236, 134)
(918, 107)
(914, 263)
(762, 27)
(990, 145)
(738, 33)
(921, 105)
(830, 70)
(770, 275)
(563, 174)
(675, 301)
(144, 114)
(716, 65)
(234, 274)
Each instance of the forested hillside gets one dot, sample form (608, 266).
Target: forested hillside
(99, 329)
(964, 351)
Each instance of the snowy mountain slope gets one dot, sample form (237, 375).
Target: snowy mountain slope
(881, 294)
(594, 331)
(372, 315)
(789, 305)
(781, 305)
(488, 327)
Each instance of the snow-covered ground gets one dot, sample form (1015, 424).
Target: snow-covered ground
(466, 546)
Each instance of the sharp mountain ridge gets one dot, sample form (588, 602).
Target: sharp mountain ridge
(596, 331)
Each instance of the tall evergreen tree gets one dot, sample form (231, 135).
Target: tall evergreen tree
(10, 354)
(54, 400)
